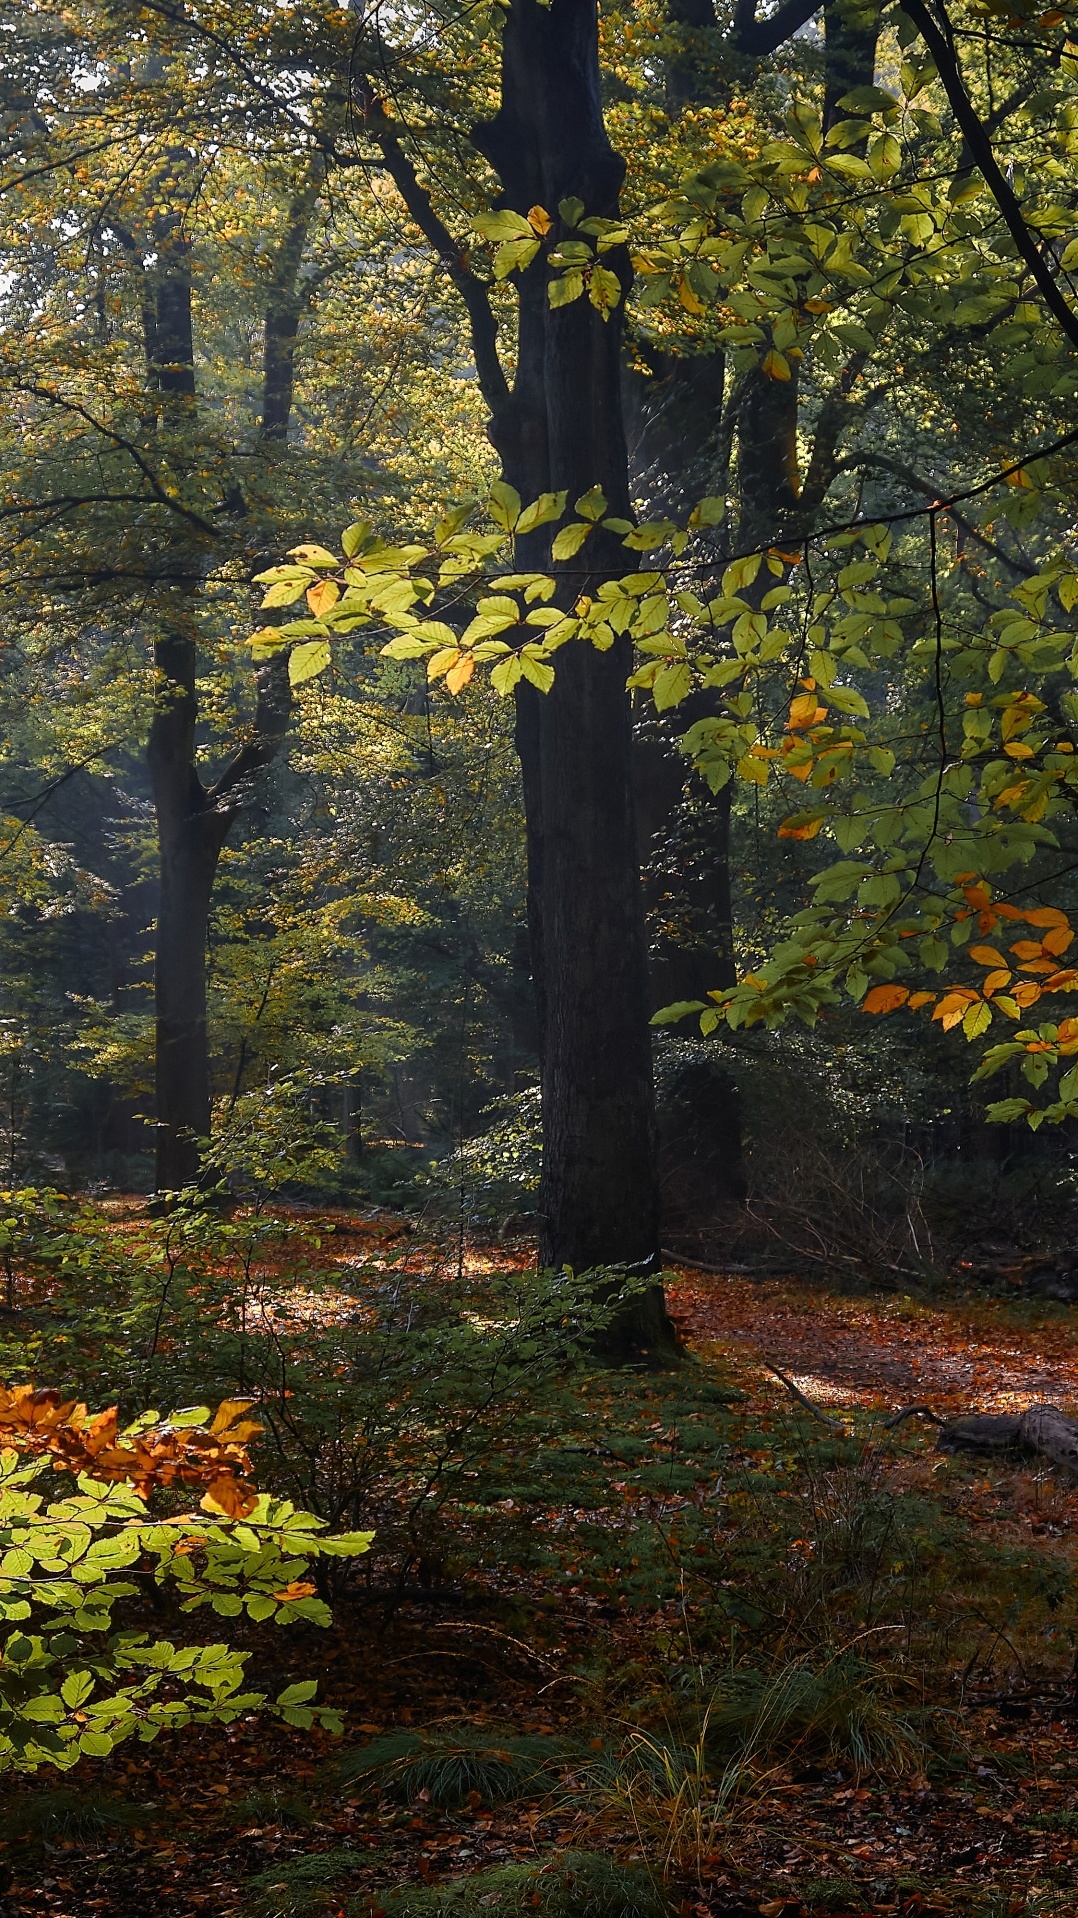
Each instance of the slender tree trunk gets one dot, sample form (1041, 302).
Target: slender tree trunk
(563, 427)
(193, 819)
(190, 841)
(680, 451)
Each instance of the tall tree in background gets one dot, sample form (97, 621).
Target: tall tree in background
(558, 427)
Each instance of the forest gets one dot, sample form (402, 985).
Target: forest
(538, 976)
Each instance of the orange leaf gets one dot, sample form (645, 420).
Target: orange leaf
(1026, 992)
(952, 1006)
(798, 828)
(539, 220)
(919, 999)
(226, 1494)
(806, 711)
(227, 1413)
(1027, 949)
(298, 1589)
(987, 956)
(458, 676)
(322, 596)
(885, 998)
(995, 981)
(1061, 981)
(977, 896)
(1045, 916)
(1057, 939)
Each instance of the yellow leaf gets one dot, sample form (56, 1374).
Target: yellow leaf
(987, 956)
(885, 998)
(458, 676)
(919, 999)
(441, 661)
(539, 220)
(688, 298)
(321, 597)
(776, 365)
(313, 555)
(976, 1020)
(1014, 749)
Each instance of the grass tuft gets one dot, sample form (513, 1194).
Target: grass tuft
(302, 1887)
(574, 1884)
(68, 1814)
(453, 1764)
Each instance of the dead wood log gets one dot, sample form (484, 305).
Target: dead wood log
(1042, 1430)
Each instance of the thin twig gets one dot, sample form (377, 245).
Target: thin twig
(835, 1425)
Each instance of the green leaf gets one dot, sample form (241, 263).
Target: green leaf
(298, 1694)
(307, 661)
(503, 225)
(680, 1009)
(503, 505)
(708, 512)
(563, 291)
(76, 1688)
(506, 674)
(536, 671)
(592, 505)
(570, 539)
(672, 684)
(548, 506)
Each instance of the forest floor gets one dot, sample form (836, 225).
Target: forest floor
(209, 1817)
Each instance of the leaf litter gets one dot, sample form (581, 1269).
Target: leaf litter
(207, 1821)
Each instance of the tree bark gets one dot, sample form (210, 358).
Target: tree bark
(562, 427)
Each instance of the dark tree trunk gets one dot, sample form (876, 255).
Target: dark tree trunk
(562, 426)
(193, 819)
(190, 841)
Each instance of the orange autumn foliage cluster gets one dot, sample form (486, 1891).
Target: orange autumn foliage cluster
(147, 1457)
(1002, 985)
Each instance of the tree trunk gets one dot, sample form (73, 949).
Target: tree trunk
(190, 842)
(681, 429)
(193, 819)
(562, 426)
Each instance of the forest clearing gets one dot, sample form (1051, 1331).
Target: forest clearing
(538, 980)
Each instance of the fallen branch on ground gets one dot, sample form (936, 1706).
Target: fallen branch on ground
(1041, 1429)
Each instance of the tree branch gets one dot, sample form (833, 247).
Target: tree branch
(979, 146)
(484, 326)
(887, 464)
(756, 38)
